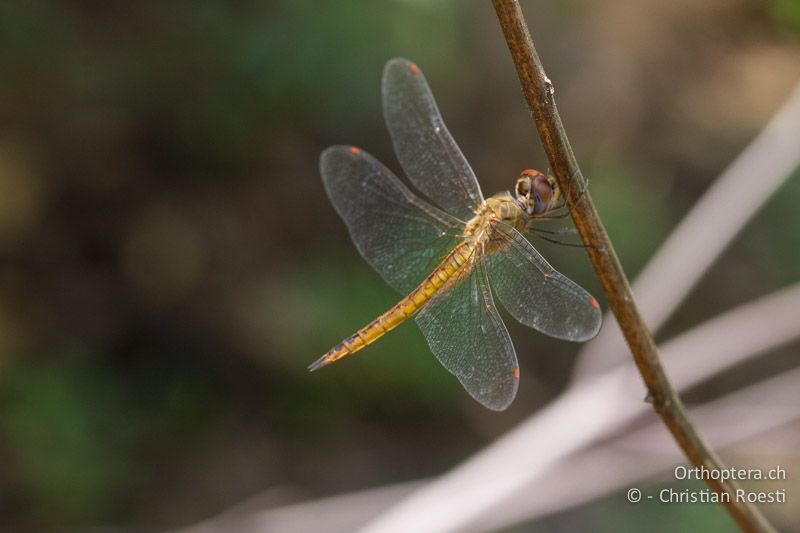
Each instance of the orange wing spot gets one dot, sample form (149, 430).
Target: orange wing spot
(516, 372)
(354, 150)
(414, 69)
(594, 303)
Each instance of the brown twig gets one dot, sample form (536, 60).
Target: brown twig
(539, 92)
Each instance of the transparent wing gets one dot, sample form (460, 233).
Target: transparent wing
(467, 335)
(424, 147)
(401, 236)
(536, 294)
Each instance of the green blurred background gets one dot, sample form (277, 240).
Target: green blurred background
(169, 263)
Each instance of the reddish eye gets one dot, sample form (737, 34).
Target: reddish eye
(542, 189)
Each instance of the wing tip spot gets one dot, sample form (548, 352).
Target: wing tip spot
(594, 303)
(414, 69)
(355, 150)
(516, 372)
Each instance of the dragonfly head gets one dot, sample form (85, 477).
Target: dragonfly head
(537, 194)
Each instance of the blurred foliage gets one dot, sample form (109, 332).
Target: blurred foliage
(169, 264)
(623, 195)
(60, 423)
(75, 430)
(787, 14)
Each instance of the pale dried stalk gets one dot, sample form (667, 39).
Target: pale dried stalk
(597, 409)
(706, 231)
(714, 340)
(586, 476)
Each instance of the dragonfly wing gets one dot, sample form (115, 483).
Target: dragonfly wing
(424, 147)
(536, 294)
(467, 335)
(400, 235)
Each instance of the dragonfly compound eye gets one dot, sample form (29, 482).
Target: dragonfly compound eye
(534, 191)
(542, 190)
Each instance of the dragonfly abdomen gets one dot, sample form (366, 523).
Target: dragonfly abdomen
(457, 262)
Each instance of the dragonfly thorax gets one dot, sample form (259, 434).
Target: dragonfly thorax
(501, 207)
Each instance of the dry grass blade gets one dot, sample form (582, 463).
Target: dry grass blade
(757, 410)
(518, 465)
(706, 231)
(596, 409)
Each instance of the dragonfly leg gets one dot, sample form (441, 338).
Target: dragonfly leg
(560, 231)
(573, 231)
(556, 241)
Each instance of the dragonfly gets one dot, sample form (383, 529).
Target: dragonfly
(450, 259)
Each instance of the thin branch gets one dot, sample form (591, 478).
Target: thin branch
(538, 91)
(726, 340)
